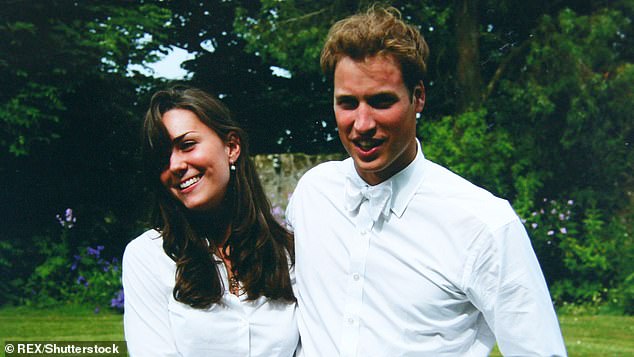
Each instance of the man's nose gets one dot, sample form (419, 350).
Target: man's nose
(364, 121)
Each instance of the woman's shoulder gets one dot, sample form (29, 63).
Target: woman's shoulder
(149, 244)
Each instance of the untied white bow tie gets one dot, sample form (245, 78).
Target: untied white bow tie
(377, 197)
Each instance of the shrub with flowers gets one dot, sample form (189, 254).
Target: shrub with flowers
(84, 278)
(574, 250)
(97, 280)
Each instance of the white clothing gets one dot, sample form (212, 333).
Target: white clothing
(157, 325)
(446, 272)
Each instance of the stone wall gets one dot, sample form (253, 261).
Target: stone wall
(280, 172)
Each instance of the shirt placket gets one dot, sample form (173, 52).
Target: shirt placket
(235, 304)
(351, 323)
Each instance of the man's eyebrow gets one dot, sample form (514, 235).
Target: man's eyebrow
(338, 96)
(381, 95)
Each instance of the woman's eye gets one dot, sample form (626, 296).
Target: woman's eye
(187, 145)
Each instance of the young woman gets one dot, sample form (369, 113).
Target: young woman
(212, 278)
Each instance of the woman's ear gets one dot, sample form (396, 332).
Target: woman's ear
(232, 147)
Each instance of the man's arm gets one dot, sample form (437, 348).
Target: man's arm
(504, 281)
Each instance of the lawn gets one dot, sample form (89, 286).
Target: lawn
(600, 335)
(69, 323)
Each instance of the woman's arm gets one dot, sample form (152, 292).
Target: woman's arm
(147, 292)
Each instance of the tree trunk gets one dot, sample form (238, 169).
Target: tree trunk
(469, 85)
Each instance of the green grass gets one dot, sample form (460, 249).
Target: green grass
(585, 335)
(596, 335)
(67, 323)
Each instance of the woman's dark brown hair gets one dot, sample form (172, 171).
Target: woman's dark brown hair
(259, 247)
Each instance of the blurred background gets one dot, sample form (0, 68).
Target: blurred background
(532, 100)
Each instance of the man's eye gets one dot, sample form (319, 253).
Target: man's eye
(347, 104)
(382, 102)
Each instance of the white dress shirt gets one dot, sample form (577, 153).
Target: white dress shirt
(157, 325)
(446, 270)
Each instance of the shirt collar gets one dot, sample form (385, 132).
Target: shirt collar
(405, 183)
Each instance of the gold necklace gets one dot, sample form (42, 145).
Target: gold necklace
(234, 286)
(234, 283)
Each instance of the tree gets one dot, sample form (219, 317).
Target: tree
(276, 119)
(69, 120)
(48, 48)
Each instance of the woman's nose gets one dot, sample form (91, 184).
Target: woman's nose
(178, 164)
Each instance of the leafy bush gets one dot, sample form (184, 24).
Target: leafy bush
(97, 280)
(576, 249)
(83, 278)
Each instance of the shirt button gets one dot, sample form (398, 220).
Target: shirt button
(355, 276)
(364, 232)
(350, 321)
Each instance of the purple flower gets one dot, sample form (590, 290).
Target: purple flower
(93, 251)
(550, 232)
(82, 280)
(76, 259)
(118, 300)
(68, 220)
(563, 230)
(96, 310)
(278, 213)
(534, 225)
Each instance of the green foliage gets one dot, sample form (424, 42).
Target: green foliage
(49, 48)
(50, 281)
(572, 100)
(577, 249)
(468, 145)
(625, 295)
(12, 276)
(289, 33)
(86, 278)
(97, 280)
(27, 115)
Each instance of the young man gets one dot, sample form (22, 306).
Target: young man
(395, 255)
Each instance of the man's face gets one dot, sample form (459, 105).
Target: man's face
(376, 115)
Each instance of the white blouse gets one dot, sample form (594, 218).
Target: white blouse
(157, 325)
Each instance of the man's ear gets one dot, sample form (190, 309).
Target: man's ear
(232, 147)
(419, 97)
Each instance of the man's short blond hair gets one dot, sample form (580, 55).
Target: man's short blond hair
(377, 31)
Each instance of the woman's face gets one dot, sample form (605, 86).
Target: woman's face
(198, 171)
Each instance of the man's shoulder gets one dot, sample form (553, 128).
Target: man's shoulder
(466, 197)
(324, 172)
